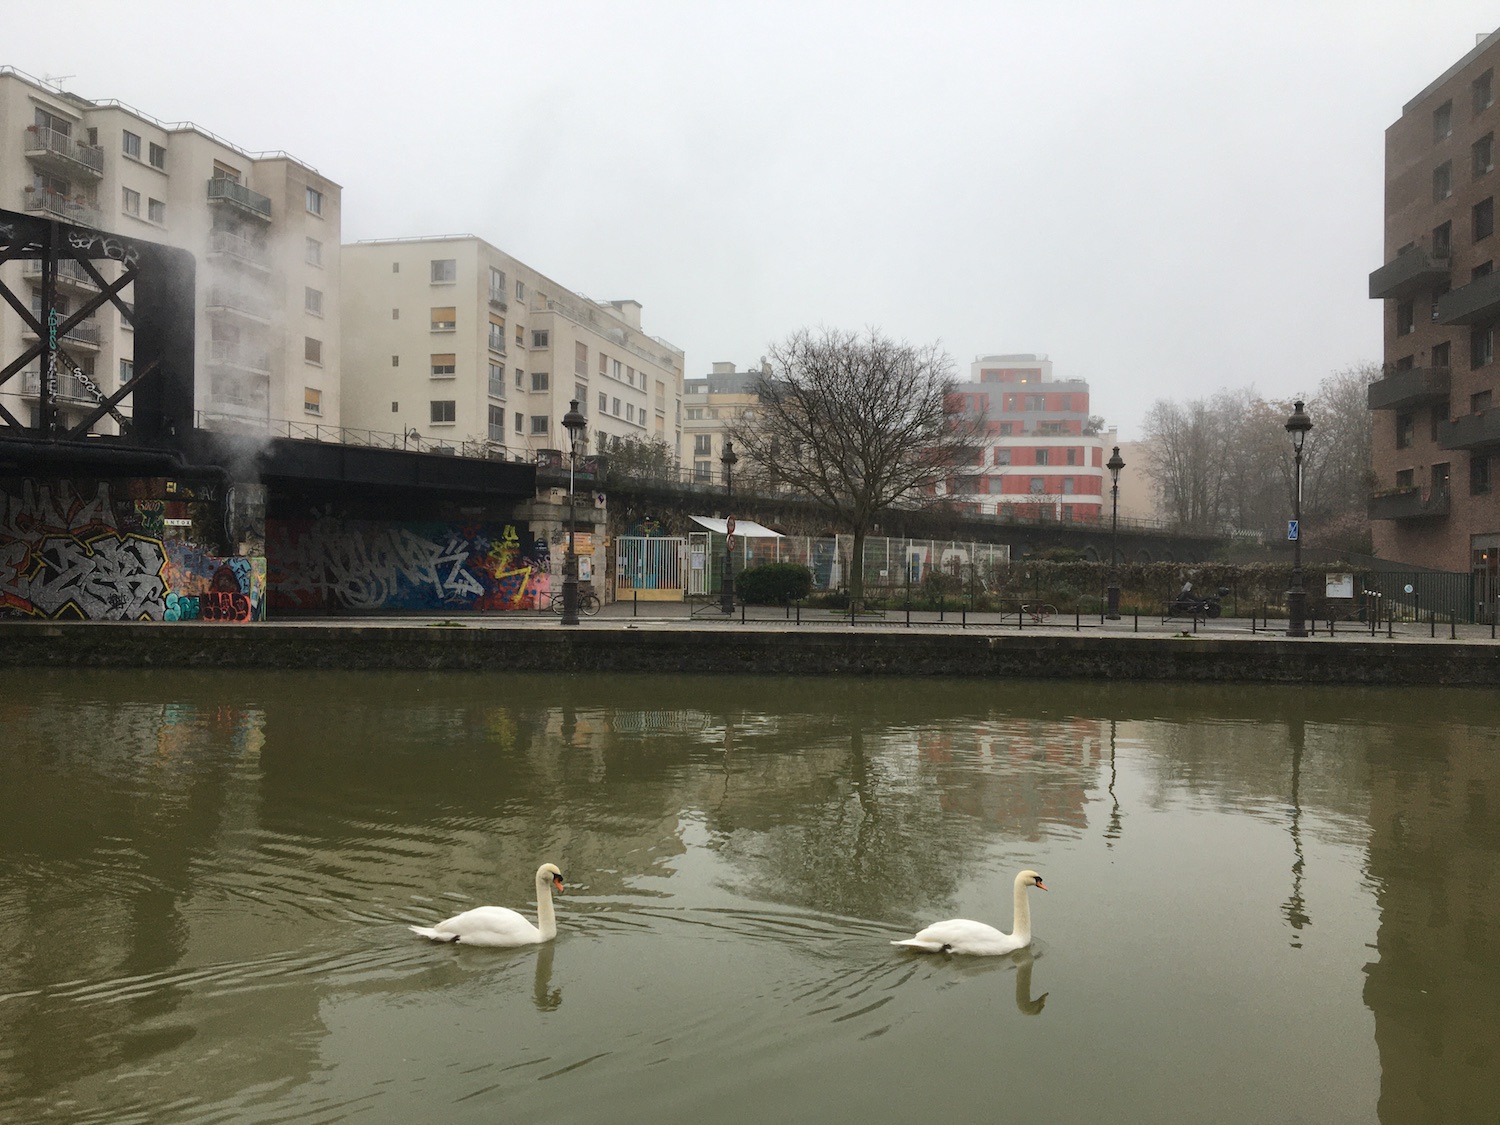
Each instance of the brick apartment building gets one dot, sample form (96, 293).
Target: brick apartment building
(1437, 425)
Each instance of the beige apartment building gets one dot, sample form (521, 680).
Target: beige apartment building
(263, 228)
(451, 342)
(710, 404)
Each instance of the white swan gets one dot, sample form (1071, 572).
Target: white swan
(499, 925)
(959, 935)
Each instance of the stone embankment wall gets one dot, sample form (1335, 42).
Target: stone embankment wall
(749, 652)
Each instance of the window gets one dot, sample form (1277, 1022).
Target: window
(132, 145)
(127, 371)
(520, 336)
(1037, 483)
(1036, 402)
(443, 319)
(1043, 456)
(312, 400)
(313, 253)
(1442, 181)
(520, 379)
(443, 411)
(1002, 456)
(314, 201)
(1406, 478)
(617, 369)
(1483, 269)
(158, 156)
(1483, 151)
(694, 413)
(1440, 355)
(395, 267)
(603, 364)
(603, 403)
(497, 423)
(520, 290)
(1072, 456)
(616, 411)
(581, 393)
(580, 358)
(1442, 121)
(1441, 474)
(312, 350)
(1479, 474)
(444, 365)
(1484, 218)
(703, 444)
(630, 412)
(1437, 415)
(1481, 345)
(703, 471)
(312, 301)
(1480, 402)
(539, 380)
(1405, 430)
(520, 422)
(1406, 321)
(1483, 90)
(497, 334)
(395, 361)
(539, 423)
(539, 338)
(444, 270)
(1442, 240)
(130, 202)
(497, 285)
(497, 380)
(1068, 486)
(156, 211)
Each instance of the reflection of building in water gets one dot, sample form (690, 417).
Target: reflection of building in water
(1435, 986)
(1022, 774)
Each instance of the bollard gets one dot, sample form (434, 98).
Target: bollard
(1390, 620)
(635, 603)
(963, 617)
(1432, 622)
(908, 613)
(1078, 620)
(742, 613)
(1453, 628)
(1137, 621)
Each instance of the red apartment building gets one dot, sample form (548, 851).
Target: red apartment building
(1437, 422)
(1039, 459)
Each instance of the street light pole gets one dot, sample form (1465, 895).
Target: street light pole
(1296, 598)
(1114, 465)
(726, 588)
(574, 422)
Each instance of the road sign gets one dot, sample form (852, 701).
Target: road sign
(729, 542)
(1291, 530)
(729, 526)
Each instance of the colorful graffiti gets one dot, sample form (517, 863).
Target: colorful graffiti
(364, 565)
(95, 551)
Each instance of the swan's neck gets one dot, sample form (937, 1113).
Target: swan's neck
(1022, 932)
(546, 921)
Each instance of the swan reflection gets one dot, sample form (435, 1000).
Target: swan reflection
(543, 995)
(1024, 959)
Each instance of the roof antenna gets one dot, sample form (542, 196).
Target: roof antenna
(56, 80)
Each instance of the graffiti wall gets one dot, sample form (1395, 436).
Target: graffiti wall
(318, 565)
(118, 550)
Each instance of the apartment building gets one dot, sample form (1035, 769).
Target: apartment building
(711, 403)
(1042, 455)
(263, 227)
(450, 340)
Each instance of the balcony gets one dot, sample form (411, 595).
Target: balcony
(70, 275)
(1410, 504)
(497, 299)
(1473, 303)
(59, 152)
(236, 302)
(70, 388)
(1412, 272)
(1412, 387)
(241, 249)
(85, 332)
(243, 357)
(1470, 431)
(240, 396)
(74, 209)
(238, 196)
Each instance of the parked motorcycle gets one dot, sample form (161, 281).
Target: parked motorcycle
(1188, 604)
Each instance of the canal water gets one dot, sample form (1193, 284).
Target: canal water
(1265, 904)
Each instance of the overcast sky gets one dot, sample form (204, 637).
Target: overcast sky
(1165, 198)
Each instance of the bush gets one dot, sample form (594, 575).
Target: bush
(774, 583)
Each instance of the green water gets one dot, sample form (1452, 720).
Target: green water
(1265, 905)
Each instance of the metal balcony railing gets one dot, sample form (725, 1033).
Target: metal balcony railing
(1418, 269)
(69, 272)
(42, 141)
(238, 246)
(85, 332)
(69, 387)
(1410, 387)
(230, 191)
(236, 300)
(243, 356)
(74, 209)
(1410, 504)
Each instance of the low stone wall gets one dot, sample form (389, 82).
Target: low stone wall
(749, 652)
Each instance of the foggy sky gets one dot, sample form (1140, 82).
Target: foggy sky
(1165, 198)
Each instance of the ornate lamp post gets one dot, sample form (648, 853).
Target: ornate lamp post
(726, 588)
(1296, 598)
(1114, 465)
(574, 422)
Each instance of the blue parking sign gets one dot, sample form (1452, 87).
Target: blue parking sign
(1291, 530)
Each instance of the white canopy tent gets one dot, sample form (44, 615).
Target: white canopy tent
(746, 529)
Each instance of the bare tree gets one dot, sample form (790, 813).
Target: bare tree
(1187, 464)
(859, 424)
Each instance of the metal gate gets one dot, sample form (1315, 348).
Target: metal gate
(649, 568)
(699, 566)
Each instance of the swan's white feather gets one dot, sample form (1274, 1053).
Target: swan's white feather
(499, 925)
(962, 935)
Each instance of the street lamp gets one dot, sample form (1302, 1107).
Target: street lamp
(1114, 465)
(574, 422)
(1296, 598)
(726, 588)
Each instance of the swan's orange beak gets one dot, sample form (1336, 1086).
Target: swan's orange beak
(1041, 886)
(558, 883)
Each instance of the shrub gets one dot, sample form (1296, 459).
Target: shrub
(774, 583)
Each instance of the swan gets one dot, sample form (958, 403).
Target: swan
(499, 925)
(959, 935)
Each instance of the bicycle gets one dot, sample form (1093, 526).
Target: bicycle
(588, 604)
(1039, 612)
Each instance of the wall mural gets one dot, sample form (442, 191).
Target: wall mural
(98, 551)
(362, 565)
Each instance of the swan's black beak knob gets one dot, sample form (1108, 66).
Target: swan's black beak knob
(558, 883)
